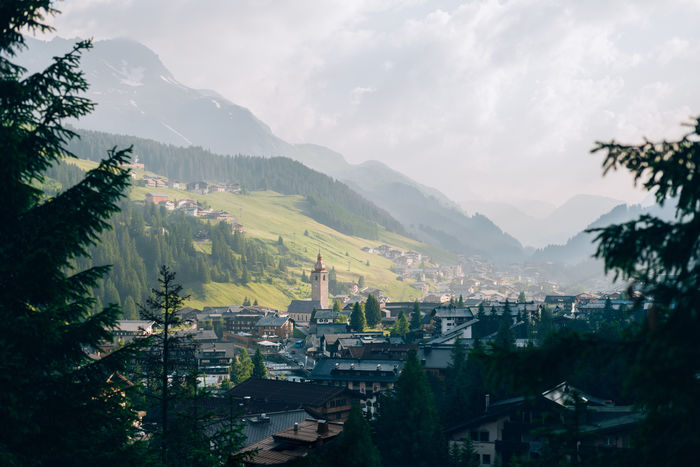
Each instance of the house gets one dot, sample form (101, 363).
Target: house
(259, 426)
(215, 359)
(435, 358)
(463, 331)
(522, 426)
(269, 395)
(565, 303)
(447, 318)
(156, 198)
(167, 204)
(272, 325)
(292, 443)
(365, 376)
(326, 317)
(127, 329)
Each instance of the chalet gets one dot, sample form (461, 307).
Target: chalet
(447, 318)
(156, 198)
(235, 227)
(326, 317)
(435, 358)
(366, 376)
(271, 325)
(519, 426)
(216, 188)
(215, 359)
(127, 330)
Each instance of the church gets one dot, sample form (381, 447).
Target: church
(300, 310)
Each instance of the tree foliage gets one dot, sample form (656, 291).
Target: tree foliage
(373, 312)
(259, 369)
(357, 318)
(51, 389)
(409, 420)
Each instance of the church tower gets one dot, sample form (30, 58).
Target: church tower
(319, 283)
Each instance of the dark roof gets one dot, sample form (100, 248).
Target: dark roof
(304, 306)
(288, 392)
(259, 426)
(272, 320)
(559, 299)
(356, 370)
(331, 328)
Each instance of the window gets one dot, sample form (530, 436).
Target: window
(474, 435)
(486, 459)
(483, 436)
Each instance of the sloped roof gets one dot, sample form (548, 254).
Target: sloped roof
(297, 394)
(304, 306)
(272, 320)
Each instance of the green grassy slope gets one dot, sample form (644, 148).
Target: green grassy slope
(268, 215)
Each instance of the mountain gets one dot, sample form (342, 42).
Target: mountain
(580, 247)
(137, 95)
(555, 227)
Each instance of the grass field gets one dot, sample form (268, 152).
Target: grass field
(269, 215)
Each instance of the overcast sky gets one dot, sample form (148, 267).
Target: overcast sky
(488, 99)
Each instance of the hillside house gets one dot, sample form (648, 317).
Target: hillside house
(156, 198)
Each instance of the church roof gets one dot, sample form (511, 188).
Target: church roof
(319, 266)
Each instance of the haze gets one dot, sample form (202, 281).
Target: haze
(494, 100)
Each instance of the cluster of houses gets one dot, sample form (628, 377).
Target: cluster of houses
(192, 208)
(286, 418)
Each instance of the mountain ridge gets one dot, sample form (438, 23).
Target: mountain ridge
(137, 95)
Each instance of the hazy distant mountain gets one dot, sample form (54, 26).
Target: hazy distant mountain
(137, 95)
(553, 228)
(581, 247)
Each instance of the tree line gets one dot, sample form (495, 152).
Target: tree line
(328, 201)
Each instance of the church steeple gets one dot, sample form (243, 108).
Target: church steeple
(319, 283)
(319, 263)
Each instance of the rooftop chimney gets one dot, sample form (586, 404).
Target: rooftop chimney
(488, 402)
(322, 427)
(296, 427)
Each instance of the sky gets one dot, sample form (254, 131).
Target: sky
(493, 99)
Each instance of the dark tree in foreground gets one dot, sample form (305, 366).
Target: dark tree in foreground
(58, 405)
(171, 358)
(661, 258)
(408, 426)
(355, 447)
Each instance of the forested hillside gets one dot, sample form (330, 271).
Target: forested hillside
(330, 201)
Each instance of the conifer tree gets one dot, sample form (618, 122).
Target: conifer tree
(410, 417)
(373, 312)
(171, 357)
(259, 370)
(401, 326)
(51, 389)
(337, 307)
(357, 318)
(242, 368)
(355, 447)
(416, 317)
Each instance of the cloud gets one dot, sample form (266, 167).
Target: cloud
(500, 98)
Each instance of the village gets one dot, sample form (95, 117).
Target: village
(317, 363)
